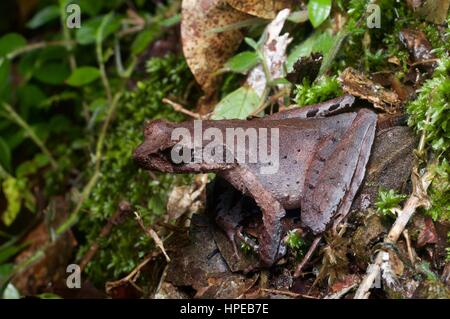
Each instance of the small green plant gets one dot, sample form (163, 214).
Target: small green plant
(324, 88)
(387, 200)
(246, 248)
(296, 242)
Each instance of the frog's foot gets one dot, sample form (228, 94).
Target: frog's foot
(228, 221)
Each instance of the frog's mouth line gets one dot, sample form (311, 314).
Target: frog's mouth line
(163, 161)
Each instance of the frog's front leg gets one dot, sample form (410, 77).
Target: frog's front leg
(272, 212)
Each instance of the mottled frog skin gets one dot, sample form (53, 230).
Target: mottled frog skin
(323, 152)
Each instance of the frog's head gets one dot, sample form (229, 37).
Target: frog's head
(157, 139)
(169, 147)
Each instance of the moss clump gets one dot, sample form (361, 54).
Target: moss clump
(387, 200)
(369, 48)
(430, 113)
(324, 88)
(121, 179)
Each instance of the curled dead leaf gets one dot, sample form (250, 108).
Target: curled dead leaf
(274, 52)
(357, 84)
(266, 9)
(206, 51)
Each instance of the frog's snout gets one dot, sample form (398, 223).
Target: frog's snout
(156, 138)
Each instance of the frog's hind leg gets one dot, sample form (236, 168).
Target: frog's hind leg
(229, 215)
(270, 247)
(227, 206)
(330, 190)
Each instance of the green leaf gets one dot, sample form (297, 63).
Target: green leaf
(30, 96)
(88, 33)
(279, 81)
(5, 66)
(169, 22)
(11, 42)
(242, 62)
(143, 39)
(252, 43)
(11, 292)
(47, 14)
(5, 271)
(5, 155)
(237, 105)
(12, 191)
(8, 250)
(318, 11)
(52, 73)
(83, 75)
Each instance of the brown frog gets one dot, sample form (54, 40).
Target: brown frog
(312, 161)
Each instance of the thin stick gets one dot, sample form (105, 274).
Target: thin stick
(408, 246)
(416, 200)
(30, 132)
(128, 278)
(101, 64)
(152, 234)
(286, 293)
(35, 46)
(179, 108)
(66, 35)
(307, 257)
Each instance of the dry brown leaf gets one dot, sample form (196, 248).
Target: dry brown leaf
(274, 51)
(358, 84)
(266, 9)
(207, 51)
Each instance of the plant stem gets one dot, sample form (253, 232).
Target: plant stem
(101, 64)
(95, 176)
(30, 132)
(34, 46)
(66, 35)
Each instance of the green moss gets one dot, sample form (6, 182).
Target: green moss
(384, 41)
(387, 201)
(324, 88)
(433, 102)
(121, 179)
(430, 113)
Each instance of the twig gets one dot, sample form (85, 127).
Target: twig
(35, 46)
(286, 293)
(101, 64)
(179, 108)
(270, 100)
(341, 293)
(30, 132)
(416, 200)
(408, 246)
(130, 278)
(152, 234)
(123, 209)
(307, 257)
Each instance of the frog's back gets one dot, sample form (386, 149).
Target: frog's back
(299, 140)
